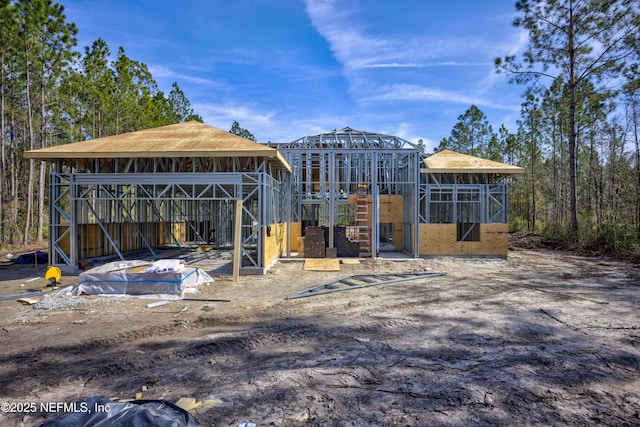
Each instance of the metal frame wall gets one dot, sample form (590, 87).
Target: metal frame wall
(328, 167)
(463, 198)
(127, 198)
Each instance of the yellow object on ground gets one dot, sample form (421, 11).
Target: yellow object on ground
(53, 275)
(322, 264)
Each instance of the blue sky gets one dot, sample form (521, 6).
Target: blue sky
(289, 68)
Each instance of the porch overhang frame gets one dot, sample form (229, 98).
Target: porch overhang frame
(74, 192)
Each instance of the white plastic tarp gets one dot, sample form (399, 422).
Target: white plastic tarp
(167, 280)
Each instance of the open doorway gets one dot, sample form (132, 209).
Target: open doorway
(387, 230)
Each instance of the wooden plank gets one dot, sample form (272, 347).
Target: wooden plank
(188, 403)
(237, 241)
(322, 264)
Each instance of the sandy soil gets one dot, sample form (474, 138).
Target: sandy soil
(540, 338)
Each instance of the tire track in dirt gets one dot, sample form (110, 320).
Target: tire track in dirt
(104, 358)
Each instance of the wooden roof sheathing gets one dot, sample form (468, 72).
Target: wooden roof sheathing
(447, 161)
(190, 139)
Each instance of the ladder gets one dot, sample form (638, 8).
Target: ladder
(361, 226)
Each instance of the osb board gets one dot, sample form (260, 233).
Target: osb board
(275, 244)
(397, 237)
(391, 208)
(190, 139)
(447, 161)
(322, 264)
(441, 239)
(64, 242)
(180, 231)
(295, 235)
(350, 261)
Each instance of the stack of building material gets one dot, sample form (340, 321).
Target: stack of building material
(314, 243)
(164, 279)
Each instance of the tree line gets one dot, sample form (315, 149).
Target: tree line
(578, 132)
(577, 136)
(51, 94)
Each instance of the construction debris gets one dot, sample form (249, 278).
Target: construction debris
(363, 281)
(322, 264)
(59, 301)
(188, 403)
(22, 295)
(166, 279)
(157, 304)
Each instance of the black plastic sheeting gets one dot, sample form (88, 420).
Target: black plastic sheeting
(99, 411)
(30, 258)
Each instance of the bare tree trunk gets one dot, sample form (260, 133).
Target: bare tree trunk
(43, 144)
(30, 183)
(3, 160)
(634, 113)
(563, 177)
(533, 175)
(573, 137)
(613, 205)
(13, 184)
(592, 160)
(555, 174)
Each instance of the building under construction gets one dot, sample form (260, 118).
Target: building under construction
(344, 193)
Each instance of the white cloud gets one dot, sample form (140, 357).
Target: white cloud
(427, 64)
(164, 72)
(355, 47)
(222, 116)
(337, 23)
(518, 43)
(266, 125)
(364, 54)
(409, 92)
(407, 132)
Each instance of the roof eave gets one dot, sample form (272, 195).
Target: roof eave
(502, 171)
(48, 156)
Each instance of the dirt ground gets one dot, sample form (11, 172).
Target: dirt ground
(539, 338)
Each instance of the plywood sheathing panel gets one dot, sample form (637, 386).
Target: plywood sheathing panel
(441, 239)
(447, 161)
(322, 264)
(392, 211)
(190, 139)
(275, 243)
(295, 235)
